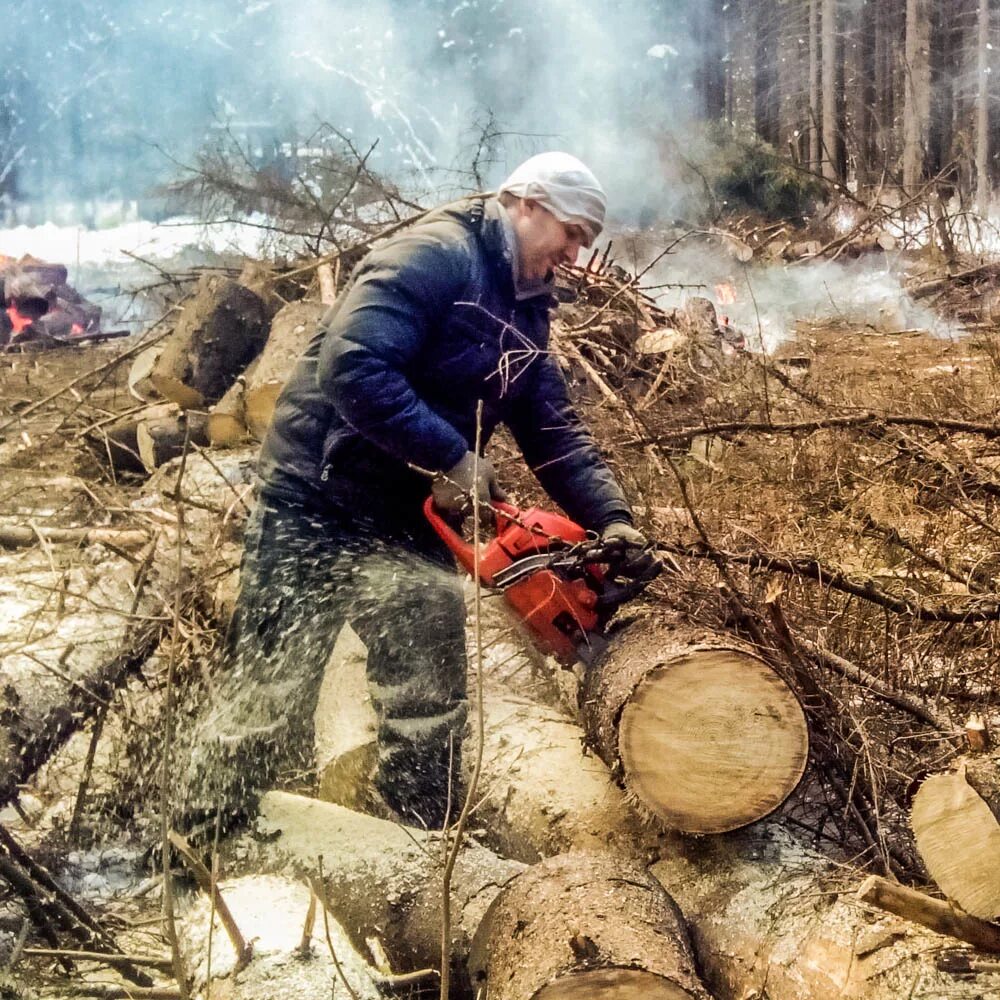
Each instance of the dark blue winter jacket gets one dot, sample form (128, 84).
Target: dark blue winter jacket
(389, 385)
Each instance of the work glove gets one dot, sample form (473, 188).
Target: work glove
(454, 491)
(631, 551)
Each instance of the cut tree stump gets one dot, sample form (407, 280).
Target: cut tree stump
(705, 735)
(954, 821)
(221, 328)
(584, 926)
(292, 328)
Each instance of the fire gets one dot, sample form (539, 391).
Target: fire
(725, 292)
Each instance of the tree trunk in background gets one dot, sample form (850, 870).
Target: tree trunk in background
(828, 30)
(743, 65)
(982, 108)
(793, 83)
(713, 68)
(767, 35)
(917, 92)
(860, 87)
(815, 111)
(884, 87)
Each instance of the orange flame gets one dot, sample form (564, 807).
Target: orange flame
(725, 292)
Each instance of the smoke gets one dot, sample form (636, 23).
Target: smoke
(98, 95)
(767, 301)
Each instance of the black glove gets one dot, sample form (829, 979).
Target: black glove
(454, 490)
(630, 551)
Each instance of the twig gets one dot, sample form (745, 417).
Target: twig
(180, 973)
(243, 949)
(153, 961)
(319, 888)
(458, 830)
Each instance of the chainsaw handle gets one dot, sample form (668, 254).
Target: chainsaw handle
(464, 551)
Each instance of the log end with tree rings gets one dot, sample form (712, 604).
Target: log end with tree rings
(583, 925)
(958, 837)
(706, 736)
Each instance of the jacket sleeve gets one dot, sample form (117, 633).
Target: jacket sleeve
(374, 334)
(562, 453)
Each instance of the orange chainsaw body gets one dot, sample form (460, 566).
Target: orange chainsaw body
(560, 614)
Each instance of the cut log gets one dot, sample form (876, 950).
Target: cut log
(345, 725)
(117, 445)
(616, 933)
(220, 329)
(705, 735)
(161, 438)
(583, 926)
(291, 330)
(954, 821)
(227, 423)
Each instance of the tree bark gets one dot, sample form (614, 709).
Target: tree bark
(983, 108)
(384, 879)
(220, 329)
(828, 31)
(916, 109)
(583, 925)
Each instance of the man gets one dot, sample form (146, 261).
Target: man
(381, 410)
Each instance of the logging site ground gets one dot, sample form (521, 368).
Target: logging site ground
(822, 490)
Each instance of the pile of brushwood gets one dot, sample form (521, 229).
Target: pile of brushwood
(827, 512)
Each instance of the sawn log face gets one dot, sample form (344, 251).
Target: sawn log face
(702, 732)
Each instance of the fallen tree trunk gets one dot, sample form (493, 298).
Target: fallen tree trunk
(292, 328)
(596, 926)
(383, 879)
(17, 537)
(31, 733)
(220, 329)
(955, 825)
(703, 733)
(583, 925)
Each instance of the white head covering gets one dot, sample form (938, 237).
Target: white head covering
(563, 185)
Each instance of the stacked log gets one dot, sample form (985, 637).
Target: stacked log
(227, 423)
(220, 330)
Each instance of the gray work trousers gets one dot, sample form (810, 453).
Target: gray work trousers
(305, 572)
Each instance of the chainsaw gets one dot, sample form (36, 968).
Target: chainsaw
(560, 581)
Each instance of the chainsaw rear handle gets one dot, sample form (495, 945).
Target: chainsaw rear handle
(464, 551)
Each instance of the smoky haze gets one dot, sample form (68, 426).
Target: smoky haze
(99, 97)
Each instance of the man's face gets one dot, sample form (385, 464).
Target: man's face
(543, 241)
